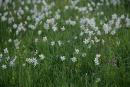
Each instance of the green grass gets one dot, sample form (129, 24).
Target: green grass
(114, 68)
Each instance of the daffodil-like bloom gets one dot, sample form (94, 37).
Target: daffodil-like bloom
(32, 61)
(42, 56)
(62, 58)
(4, 66)
(96, 60)
(74, 59)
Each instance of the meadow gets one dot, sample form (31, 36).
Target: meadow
(64, 43)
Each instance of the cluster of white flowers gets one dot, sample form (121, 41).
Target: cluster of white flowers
(96, 60)
(41, 21)
(115, 23)
(77, 51)
(62, 58)
(70, 22)
(6, 50)
(90, 31)
(45, 39)
(74, 59)
(7, 59)
(32, 61)
(12, 62)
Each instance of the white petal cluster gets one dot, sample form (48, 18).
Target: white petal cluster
(32, 61)
(39, 25)
(96, 60)
(42, 56)
(74, 59)
(62, 58)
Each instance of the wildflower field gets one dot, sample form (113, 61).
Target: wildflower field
(64, 43)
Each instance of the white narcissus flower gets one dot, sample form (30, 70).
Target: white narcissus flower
(39, 32)
(42, 56)
(52, 43)
(51, 21)
(106, 28)
(96, 39)
(86, 41)
(14, 26)
(81, 33)
(26, 8)
(6, 50)
(62, 58)
(44, 39)
(12, 62)
(63, 28)
(83, 54)
(114, 16)
(10, 40)
(3, 18)
(66, 7)
(32, 61)
(74, 59)
(76, 51)
(98, 55)
(122, 16)
(57, 16)
(113, 32)
(31, 26)
(72, 23)
(4, 66)
(96, 60)
(54, 28)
(59, 43)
